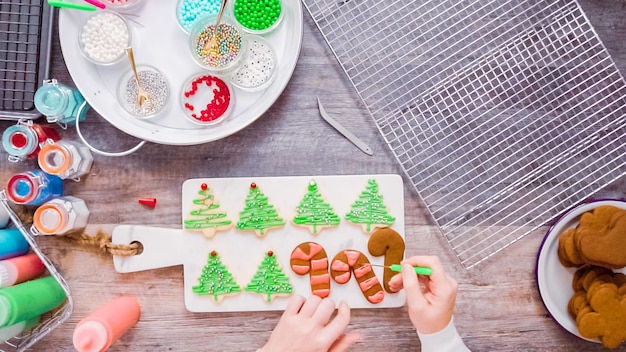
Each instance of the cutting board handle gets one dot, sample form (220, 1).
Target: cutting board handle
(161, 247)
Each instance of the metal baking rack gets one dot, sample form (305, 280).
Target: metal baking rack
(50, 320)
(503, 114)
(25, 36)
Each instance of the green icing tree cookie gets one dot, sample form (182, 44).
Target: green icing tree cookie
(206, 217)
(258, 215)
(369, 211)
(216, 280)
(313, 212)
(269, 279)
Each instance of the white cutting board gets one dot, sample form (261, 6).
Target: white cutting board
(242, 251)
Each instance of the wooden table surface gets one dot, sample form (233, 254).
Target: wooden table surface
(498, 306)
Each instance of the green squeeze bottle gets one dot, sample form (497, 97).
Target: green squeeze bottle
(29, 299)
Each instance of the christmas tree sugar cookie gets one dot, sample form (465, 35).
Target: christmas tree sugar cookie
(369, 211)
(206, 216)
(258, 215)
(269, 280)
(216, 280)
(313, 212)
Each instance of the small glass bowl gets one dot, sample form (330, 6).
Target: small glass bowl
(207, 99)
(127, 6)
(152, 81)
(188, 11)
(231, 44)
(258, 69)
(98, 42)
(250, 15)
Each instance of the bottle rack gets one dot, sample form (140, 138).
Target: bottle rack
(49, 320)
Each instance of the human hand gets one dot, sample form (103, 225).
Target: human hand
(430, 306)
(305, 326)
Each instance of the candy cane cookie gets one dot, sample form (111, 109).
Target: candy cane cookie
(310, 258)
(352, 261)
(389, 243)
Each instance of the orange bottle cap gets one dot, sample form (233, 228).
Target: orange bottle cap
(49, 219)
(54, 158)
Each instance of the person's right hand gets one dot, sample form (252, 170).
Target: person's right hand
(430, 307)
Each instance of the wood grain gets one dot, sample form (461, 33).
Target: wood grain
(498, 305)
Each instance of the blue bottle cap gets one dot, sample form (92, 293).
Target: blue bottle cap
(51, 100)
(20, 140)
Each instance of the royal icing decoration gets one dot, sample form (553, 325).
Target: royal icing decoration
(350, 262)
(369, 211)
(216, 280)
(313, 212)
(258, 215)
(206, 217)
(310, 258)
(270, 280)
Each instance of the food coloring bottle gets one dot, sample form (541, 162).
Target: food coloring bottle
(29, 299)
(20, 269)
(4, 216)
(13, 330)
(23, 140)
(60, 216)
(66, 159)
(34, 187)
(12, 244)
(60, 103)
(106, 325)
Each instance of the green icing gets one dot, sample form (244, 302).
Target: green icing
(215, 279)
(369, 209)
(313, 211)
(269, 279)
(206, 214)
(258, 214)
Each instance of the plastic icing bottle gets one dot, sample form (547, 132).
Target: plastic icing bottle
(12, 244)
(29, 299)
(60, 216)
(66, 159)
(15, 329)
(22, 141)
(34, 187)
(60, 103)
(102, 328)
(4, 217)
(20, 269)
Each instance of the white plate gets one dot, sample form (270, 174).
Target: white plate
(159, 41)
(553, 279)
(242, 251)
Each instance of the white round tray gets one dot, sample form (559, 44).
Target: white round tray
(553, 279)
(159, 41)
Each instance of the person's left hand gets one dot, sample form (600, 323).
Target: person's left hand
(305, 326)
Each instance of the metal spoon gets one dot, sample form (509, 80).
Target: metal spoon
(211, 45)
(142, 96)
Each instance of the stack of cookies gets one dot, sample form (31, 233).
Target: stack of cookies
(597, 246)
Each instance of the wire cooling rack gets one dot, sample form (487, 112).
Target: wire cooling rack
(25, 35)
(503, 114)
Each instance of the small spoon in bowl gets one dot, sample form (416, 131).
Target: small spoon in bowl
(143, 97)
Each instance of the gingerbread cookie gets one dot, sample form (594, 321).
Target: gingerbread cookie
(310, 258)
(387, 242)
(269, 280)
(206, 216)
(347, 262)
(607, 320)
(313, 212)
(216, 280)
(258, 214)
(368, 210)
(600, 237)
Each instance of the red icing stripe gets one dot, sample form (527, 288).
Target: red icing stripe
(338, 265)
(377, 297)
(299, 254)
(319, 264)
(322, 292)
(320, 279)
(369, 283)
(362, 270)
(300, 269)
(343, 278)
(353, 256)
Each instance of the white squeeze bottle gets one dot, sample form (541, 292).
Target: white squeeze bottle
(60, 216)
